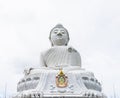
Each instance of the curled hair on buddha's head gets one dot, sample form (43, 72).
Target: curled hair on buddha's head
(59, 26)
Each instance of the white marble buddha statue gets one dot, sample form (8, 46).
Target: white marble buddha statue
(60, 55)
(60, 74)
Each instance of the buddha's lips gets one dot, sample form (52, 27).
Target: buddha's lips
(59, 37)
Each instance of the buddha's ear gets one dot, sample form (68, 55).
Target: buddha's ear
(50, 40)
(51, 43)
(50, 36)
(68, 38)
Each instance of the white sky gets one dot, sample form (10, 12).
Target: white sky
(93, 25)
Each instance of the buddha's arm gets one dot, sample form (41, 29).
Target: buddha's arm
(42, 62)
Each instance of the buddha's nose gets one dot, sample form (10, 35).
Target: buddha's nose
(59, 34)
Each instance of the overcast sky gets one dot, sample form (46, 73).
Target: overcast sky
(93, 25)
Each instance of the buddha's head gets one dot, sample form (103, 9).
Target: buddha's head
(59, 36)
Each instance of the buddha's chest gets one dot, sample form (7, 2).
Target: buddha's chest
(60, 56)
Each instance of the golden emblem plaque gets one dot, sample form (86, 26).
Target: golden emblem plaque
(61, 79)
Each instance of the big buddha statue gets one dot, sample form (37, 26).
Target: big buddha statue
(60, 74)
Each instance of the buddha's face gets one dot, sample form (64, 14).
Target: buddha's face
(59, 37)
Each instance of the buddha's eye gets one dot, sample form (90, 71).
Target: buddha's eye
(62, 32)
(55, 32)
